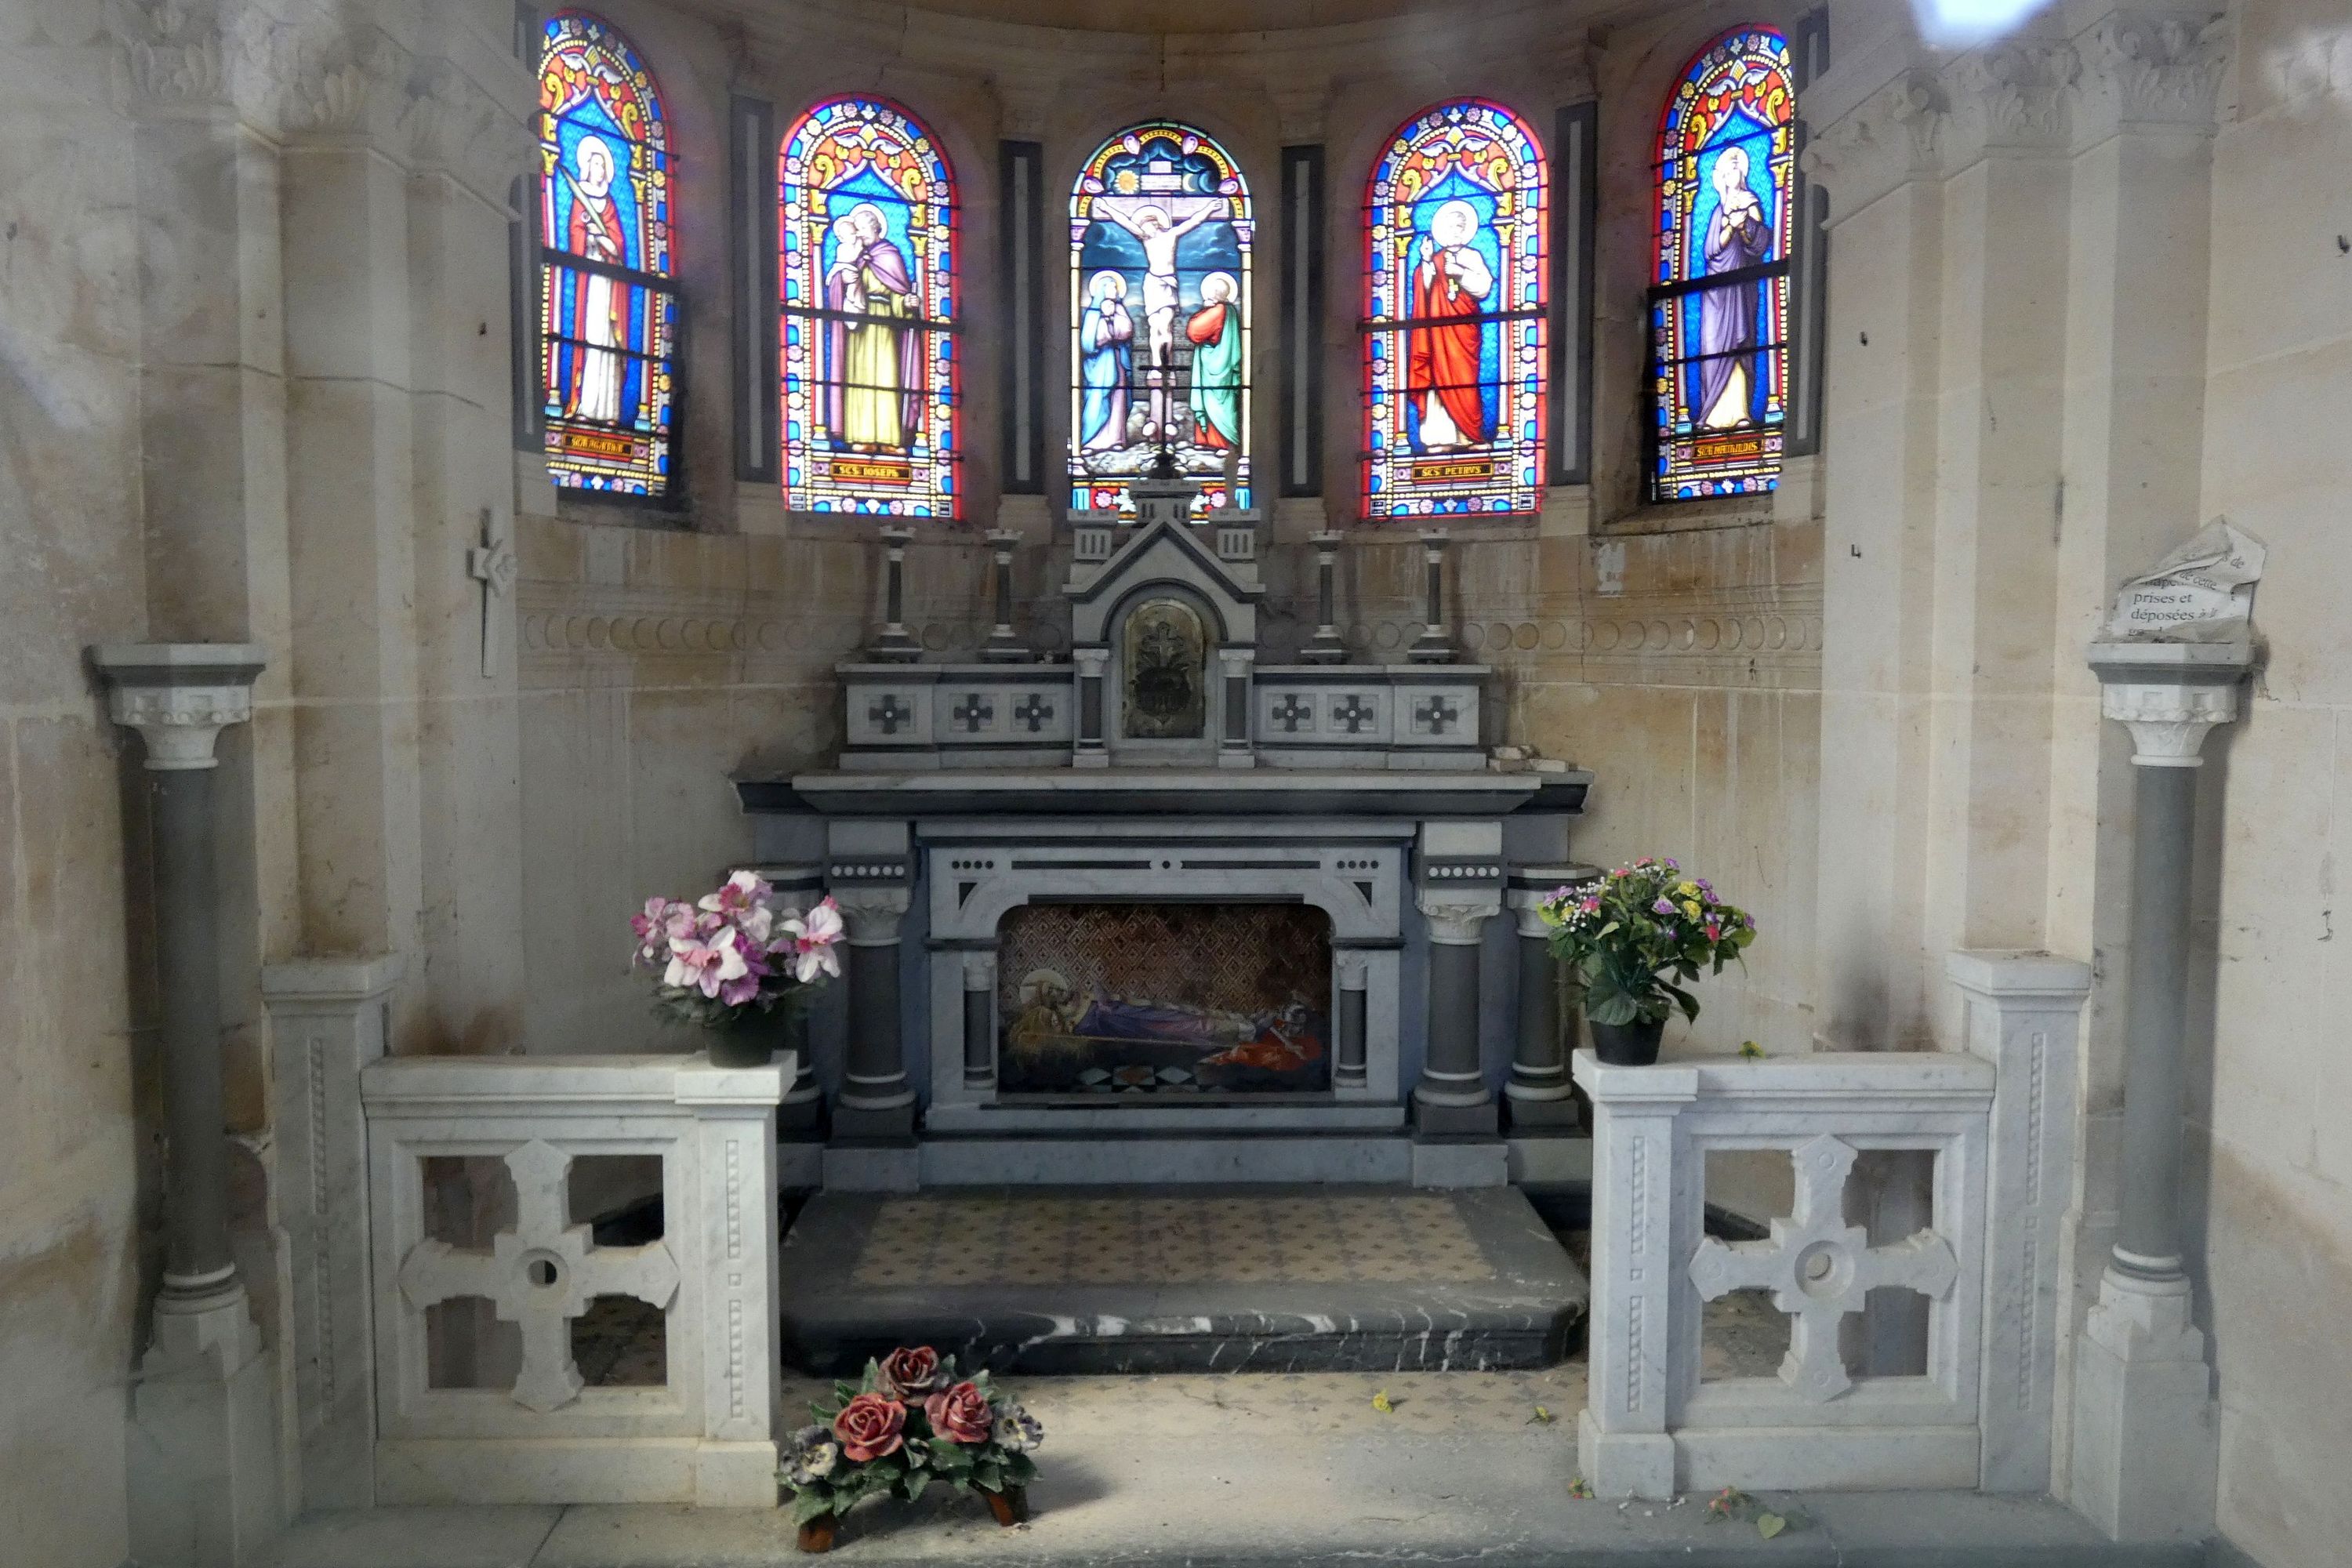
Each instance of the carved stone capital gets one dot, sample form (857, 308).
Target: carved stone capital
(1453, 918)
(170, 56)
(1890, 138)
(980, 971)
(2145, 70)
(1353, 967)
(178, 696)
(2170, 695)
(872, 913)
(2010, 97)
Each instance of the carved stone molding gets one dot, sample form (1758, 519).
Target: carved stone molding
(170, 56)
(1454, 920)
(871, 912)
(2170, 695)
(1892, 137)
(178, 696)
(452, 125)
(2150, 71)
(2010, 96)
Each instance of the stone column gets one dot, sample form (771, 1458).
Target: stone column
(2146, 1444)
(1325, 646)
(1234, 747)
(980, 1021)
(875, 1099)
(800, 1117)
(1433, 647)
(1352, 973)
(1002, 646)
(203, 1460)
(1452, 1101)
(1092, 750)
(1540, 1097)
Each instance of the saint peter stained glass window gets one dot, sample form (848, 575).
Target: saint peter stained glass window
(608, 311)
(1720, 294)
(867, 267)
(1160, 316)
(1453, 331)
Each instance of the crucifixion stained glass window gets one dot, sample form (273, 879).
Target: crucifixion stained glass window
(608, 309)
(867, 267)
(1160, 316)
(1455, 288)
(1719, 292)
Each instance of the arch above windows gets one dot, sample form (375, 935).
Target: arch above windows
(1726, 179)
(1161, 313)
(1455, 317)
(866, 274)
(608, 309)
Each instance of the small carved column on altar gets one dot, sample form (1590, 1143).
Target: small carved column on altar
(1353, 972)
(1433, 647)
(894, 643)
(1003, 646)
(1093, 748)
(1539, 1095)
(980, 1020)
(1325, 646)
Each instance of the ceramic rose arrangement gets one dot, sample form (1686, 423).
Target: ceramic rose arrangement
(731, 962)
(1635, 941)
(909, 1421)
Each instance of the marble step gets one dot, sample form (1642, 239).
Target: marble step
(1182, 1278)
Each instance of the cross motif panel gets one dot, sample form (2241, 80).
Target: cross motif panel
(541, 1275)
(1294, 713)
(889, 713)
(1354, 714)
(975, 713)
(1819, 1268)
(1436, 715)
(1033, 711)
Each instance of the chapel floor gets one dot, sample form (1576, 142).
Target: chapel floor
(1248, 1468)
(1152, 1280)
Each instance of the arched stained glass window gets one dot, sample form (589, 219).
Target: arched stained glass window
(1160, 315)
(866, 234)
(608, 309)
(1720, 295)
(1454, 315)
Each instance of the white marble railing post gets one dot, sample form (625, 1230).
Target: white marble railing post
(2146, 1441)
(204, 1463)
(2023, 1014)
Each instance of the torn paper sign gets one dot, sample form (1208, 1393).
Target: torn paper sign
(2202, 592)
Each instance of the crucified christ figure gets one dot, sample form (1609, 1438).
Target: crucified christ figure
(1158, 233)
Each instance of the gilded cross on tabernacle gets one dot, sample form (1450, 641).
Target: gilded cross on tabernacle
(1819, 1268)
(887, 713)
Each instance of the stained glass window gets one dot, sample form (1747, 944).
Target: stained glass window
(1161, 316)
(608, 311)
(1720, 294)
(1455, 288)
(867, 267)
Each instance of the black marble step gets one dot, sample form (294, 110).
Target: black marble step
(1148, 1279)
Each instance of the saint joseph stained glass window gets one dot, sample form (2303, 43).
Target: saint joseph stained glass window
(1160, 316)
(1453, 331)
(867, 267)
(608, 311)
(1719, 293)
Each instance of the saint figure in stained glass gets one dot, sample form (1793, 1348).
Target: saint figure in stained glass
(1160, 226)
(1719, 297)
(607, 307)
(867, 241)
(1454, 328)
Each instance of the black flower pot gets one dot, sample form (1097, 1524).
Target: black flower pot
(1633, 1045)
(749, 1042)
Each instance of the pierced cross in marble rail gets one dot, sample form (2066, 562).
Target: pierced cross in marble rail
(541, 1275)
(1819, 1268)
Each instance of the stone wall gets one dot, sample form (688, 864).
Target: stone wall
(2268, 1121)
(76, 1035)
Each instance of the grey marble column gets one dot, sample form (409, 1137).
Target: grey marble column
(1092, 749)
(876, 1100)
(800, 1118)
(1003, 644)
(1234, 747)
(2145, 1450)
(1434, 645)
(894, 643)
(980, 1020)
(1452, 1101)
(179, 697)
(1352, 973)
(1325, 646)
(1539, 1095)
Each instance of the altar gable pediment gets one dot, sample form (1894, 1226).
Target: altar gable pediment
(1163, 552)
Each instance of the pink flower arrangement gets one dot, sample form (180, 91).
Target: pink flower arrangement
(910, 1420)
(731, 950)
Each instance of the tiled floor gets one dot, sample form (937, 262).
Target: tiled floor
(1003, 1240)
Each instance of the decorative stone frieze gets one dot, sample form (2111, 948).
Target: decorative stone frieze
(1892, 137)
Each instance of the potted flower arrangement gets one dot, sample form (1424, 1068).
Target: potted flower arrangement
(909, 1421)
(1634, 940)
(732, 963)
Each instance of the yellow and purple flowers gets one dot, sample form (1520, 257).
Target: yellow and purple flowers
(731, 951)
(1637, 937)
